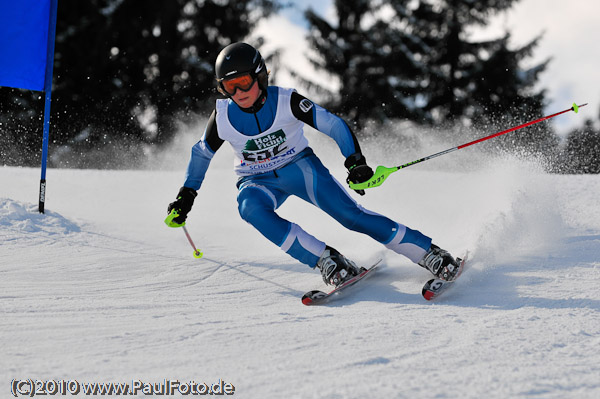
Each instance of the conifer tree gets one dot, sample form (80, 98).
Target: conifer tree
(415, 60)
(376, 62)
(504, 94)
(475, 79)
(127, 71)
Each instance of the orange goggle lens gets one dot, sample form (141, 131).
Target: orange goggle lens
(243, 82)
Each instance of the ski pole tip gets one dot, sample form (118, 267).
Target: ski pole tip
(198, 254)
(576, 107)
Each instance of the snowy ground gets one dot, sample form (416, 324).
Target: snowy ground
(100, 290)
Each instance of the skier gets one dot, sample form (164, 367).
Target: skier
(264, 125)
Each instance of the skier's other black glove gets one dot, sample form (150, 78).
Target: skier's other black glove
(358, 170)
(183, 204)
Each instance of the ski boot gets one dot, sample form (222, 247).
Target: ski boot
(440, 263)
(335, 267)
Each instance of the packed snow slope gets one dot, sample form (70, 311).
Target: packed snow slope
(98, 289)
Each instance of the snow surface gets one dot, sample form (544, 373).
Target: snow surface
(98, 289)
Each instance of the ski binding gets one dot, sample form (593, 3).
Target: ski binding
(317, 297)
(435, 287)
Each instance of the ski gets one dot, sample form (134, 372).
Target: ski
(317, 297)
(435, 287)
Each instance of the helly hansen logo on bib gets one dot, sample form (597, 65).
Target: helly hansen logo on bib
(265, 147)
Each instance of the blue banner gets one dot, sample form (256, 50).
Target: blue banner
(23, 43)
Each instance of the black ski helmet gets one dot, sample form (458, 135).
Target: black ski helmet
(237, 59)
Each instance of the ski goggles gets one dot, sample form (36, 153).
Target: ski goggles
(242, 82)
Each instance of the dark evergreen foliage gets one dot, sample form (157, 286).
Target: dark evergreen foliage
(457, 64)
(582, 150)
(377, 62)
(126, 70)
(129, 71)
(401, 59)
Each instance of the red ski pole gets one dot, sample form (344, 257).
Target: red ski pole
(382, 172)
(197, 253)
(169, 222)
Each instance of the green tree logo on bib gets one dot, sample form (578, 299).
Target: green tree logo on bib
(264, 147)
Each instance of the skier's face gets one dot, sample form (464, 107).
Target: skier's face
(246, 99)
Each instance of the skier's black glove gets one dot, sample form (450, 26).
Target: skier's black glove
(183, 204)
(358, 170)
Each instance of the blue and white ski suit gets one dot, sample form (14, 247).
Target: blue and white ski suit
(274, 161)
